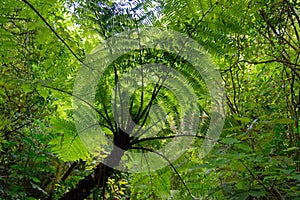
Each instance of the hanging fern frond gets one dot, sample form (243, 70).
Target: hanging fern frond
(67, 145)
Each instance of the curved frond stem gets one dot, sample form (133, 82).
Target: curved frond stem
(109, 122)
(158, 86)
(91, 106)
(104, 125)
(140, 60)
(170, 163)
(120, 123)
(148, 168)
(170, 137)
(141, 134)
(155, 92)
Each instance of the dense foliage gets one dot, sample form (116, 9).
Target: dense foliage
(255, 46)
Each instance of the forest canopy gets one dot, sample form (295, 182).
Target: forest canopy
(139, 99)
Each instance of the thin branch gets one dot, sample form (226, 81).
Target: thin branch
(284, 62)
(52, 29)
(271, 61)
(19, 127)
(269, 24)
(256, 178)
(16, 18)
(234, 92)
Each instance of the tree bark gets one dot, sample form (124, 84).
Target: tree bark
(98, 178)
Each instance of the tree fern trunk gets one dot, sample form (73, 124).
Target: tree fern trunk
(98, 178)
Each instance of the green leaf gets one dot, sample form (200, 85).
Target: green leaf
(258, 193)
(69, 148)
(44, 92)
(27, 88)
(243, 119)
(244, 147)
(36, 180)
(292, 149)
(230, 140)
(283, 121)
